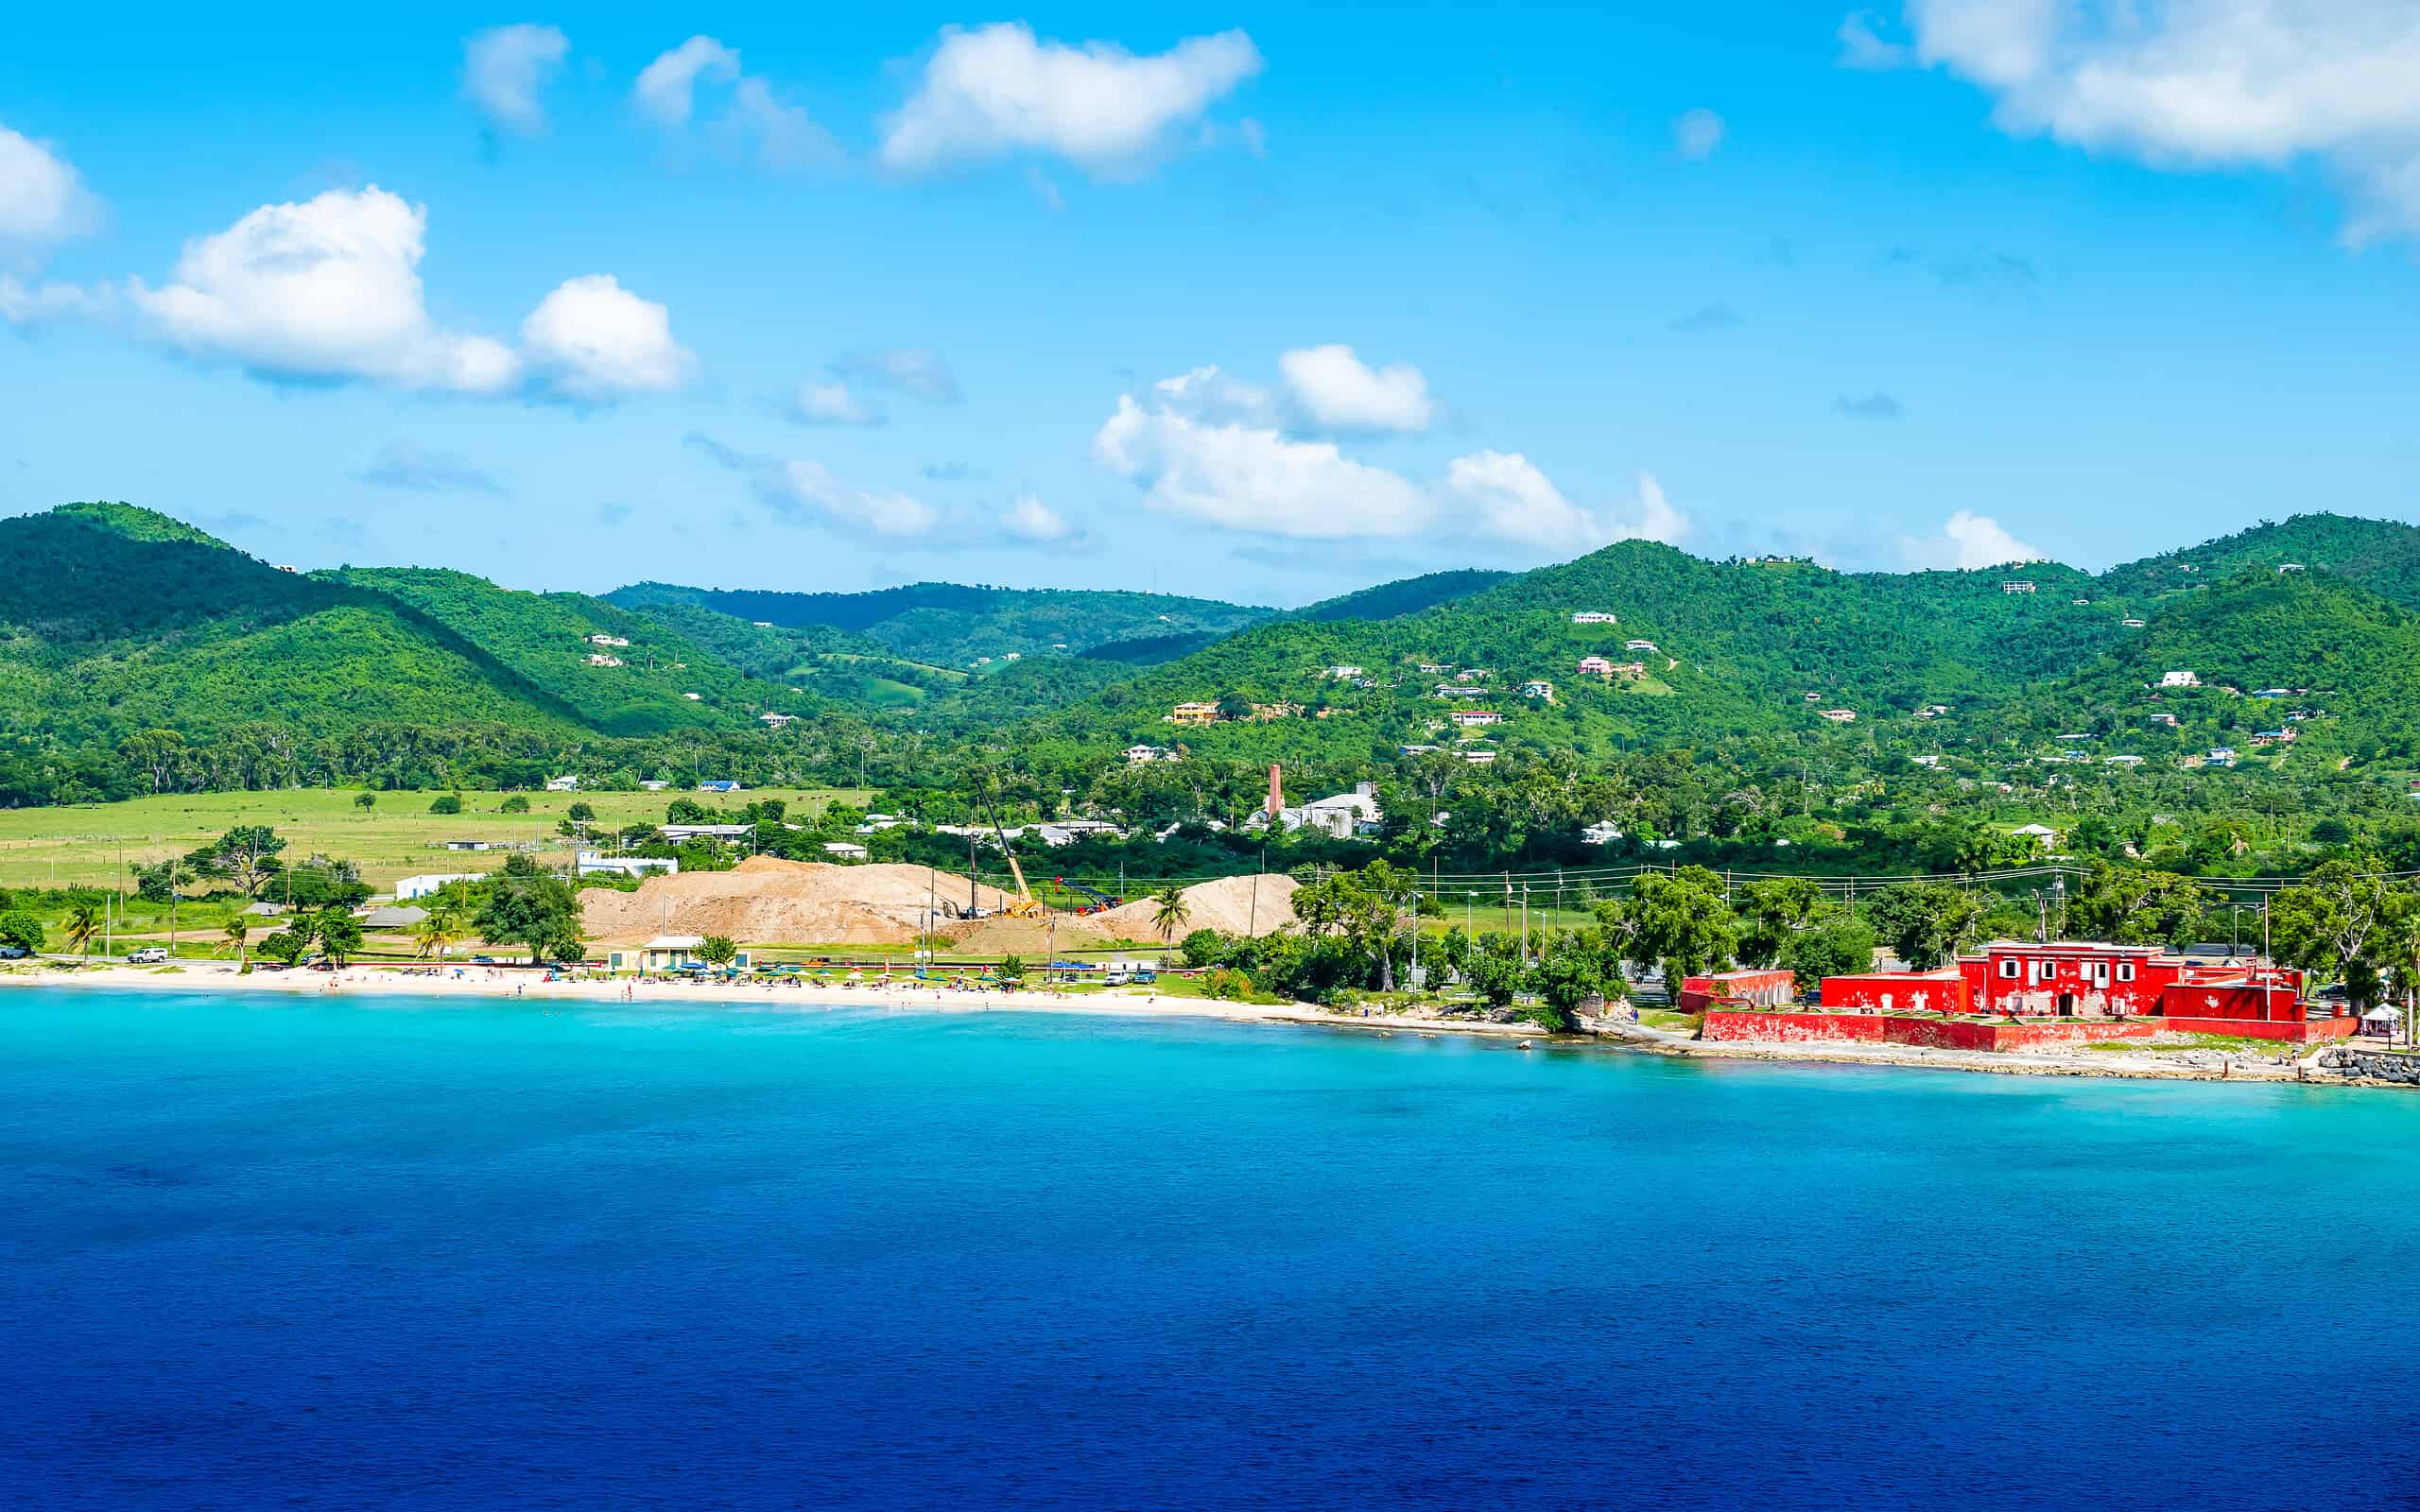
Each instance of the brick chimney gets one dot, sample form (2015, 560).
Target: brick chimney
(1276, 794)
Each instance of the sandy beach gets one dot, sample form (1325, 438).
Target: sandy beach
(2283, 1064)
(900, 992)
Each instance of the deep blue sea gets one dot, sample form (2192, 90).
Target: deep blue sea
(369, 1253)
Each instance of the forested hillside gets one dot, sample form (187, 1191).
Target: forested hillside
(137, 654)
(637, 683)
(1406, 596)
(119, 619)
(955, 624)
(2379, 554)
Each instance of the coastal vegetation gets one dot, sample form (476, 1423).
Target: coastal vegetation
(2036, 699)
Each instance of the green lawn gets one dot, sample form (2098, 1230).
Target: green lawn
(94, 844)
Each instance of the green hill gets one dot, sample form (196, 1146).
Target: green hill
(2382, 556)
(1406, 595)
(117, 618)
(955, 624)
(2336, 662)
(639, 688)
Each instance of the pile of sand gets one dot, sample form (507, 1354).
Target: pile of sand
(1234, 906)
(1029, 938)
(766, 900)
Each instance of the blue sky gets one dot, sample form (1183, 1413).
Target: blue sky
(915, 293)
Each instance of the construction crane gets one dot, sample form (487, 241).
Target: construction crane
(1101, 900)
(1023, 905)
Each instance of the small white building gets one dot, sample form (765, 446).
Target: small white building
(1603, 832)
(843, 850)
(2041, 832)
(1473, 719)
(1837, 717)
(1343, 673)
(1538, 688)
(599, 659)
(603, 639)
(1143, 755)
(1639, 645)
(2017, 585)
(666, 953)
(597, 864)
(777, 720)
(678, 833)
(2179, 680)
(563, 784)
(1592, 617)
(430, 882)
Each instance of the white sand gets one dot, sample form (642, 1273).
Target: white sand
(902, 992)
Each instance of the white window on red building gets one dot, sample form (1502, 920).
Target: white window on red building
(2008, 966)
(2125, 971)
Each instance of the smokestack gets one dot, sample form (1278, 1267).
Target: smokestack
(1276, 794)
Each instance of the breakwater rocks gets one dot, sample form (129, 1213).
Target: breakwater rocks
(2372, 1065)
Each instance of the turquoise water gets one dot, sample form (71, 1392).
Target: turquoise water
(369, 1253)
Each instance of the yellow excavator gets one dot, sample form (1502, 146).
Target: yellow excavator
(1023, 905)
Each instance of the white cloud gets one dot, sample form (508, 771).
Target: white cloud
(833, 405)
(996, 89)
(2203, 83)
(812, 487)
(805, 491)
(1244, 477)
(329, 290)
(1696, 135)
(23, 303)
(1967, 541)
(1338, 391)
(42, 199)
(1507, 498)
(1030, 519)
(1862, 45)
(666, 89)
(1213, 396)
(917, 372)
(505, 69)
(787, 137)
(595, 340)
(784, 136)
(1205, 447)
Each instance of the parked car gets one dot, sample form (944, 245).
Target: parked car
(148, 955)
(12, 953)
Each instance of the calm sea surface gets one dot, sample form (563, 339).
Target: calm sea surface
(378, 1254)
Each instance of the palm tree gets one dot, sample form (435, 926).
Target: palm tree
(437, 933)
(1171, 912)
(83, 922)
(235, 936)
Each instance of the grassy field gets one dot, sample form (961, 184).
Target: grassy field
(93, 843)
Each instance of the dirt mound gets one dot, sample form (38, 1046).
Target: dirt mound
(766, 900)
(1029, 938)
(1234, 906)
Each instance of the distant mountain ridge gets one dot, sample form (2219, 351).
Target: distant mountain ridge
(951, 624)
(120, 619)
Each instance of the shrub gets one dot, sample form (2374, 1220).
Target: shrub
(445, 803)
(517, 804)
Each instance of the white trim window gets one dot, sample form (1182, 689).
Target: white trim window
(2007, 968)
(2125, 971)
(2100, 974)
